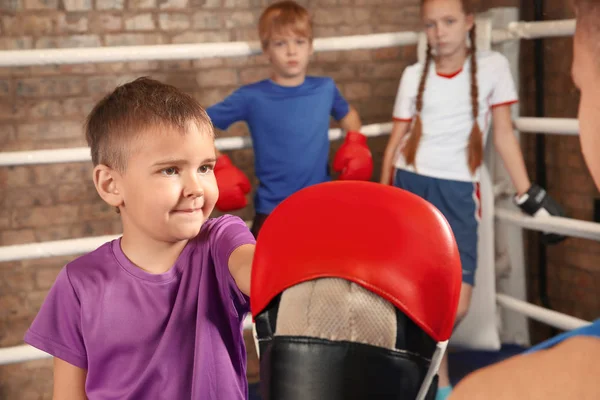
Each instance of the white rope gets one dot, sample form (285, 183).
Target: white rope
(53, 248)
(25, 352)
(16, 58)
(535, 30)
(82, 154)
(565, 226)
(557, 126)
(549, 317)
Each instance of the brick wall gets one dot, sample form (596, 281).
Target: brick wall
(44, 107)
(573, 278)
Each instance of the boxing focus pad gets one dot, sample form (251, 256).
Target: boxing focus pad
(359, 307)
(537, 203)
(233, 185)
(353, 160)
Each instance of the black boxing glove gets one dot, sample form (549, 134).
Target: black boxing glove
(537, 203)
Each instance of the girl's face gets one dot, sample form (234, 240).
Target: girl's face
(446, 26)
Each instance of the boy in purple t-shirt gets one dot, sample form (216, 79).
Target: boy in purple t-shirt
(157, 313)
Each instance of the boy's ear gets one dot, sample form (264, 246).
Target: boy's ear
(107, 185)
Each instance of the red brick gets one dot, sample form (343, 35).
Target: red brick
(251, 75)
(109, 4)
(54, 86)
(172, 4)
(61, 173)
(44, 216)
(140, 22)
(16, 280)
(45, 277)
(134, 39)
(207, 20)
(17, 176)
(18, 236)
(72, 23)
(20, 43)
(13, 306)
(57, 130)
(217, 77)
(141, 4)
(173, 21)
(357, 90)
(96, 211)
(41, 4)
(77, 5)
(241, 19)
(106, 22)
(8, 133)
(201, 37)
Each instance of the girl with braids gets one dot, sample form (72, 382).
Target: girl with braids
(441, 119)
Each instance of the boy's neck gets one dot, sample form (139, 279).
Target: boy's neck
(452, 63)
(152, 256)
(288, 81)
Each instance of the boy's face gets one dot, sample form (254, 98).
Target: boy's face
(169, 188)
(289, 55)
(586, 76)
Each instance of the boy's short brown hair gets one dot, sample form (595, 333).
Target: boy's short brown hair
(134, 108)
(282, 17)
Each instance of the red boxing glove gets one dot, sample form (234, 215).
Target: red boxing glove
(233, 185)
(354, 160)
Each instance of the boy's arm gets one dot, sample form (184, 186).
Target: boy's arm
(351, 122)
(69, 381)
(240, 266)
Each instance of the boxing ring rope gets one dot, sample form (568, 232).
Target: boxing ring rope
(17, 58)
(556, 126)
(513, 31)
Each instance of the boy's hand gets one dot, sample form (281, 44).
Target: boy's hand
(233, 185)
(354, 159)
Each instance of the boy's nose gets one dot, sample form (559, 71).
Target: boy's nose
(193, 187)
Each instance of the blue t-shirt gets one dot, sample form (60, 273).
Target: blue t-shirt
(592, 329)
(289, 129)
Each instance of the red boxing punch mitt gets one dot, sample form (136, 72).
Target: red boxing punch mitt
(354, 291)
(388, 240)
(233, 185)
(353, 160)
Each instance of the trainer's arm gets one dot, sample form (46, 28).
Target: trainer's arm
(567, 371)
(69, 381)
(240, 266)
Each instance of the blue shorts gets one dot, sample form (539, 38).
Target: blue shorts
(459, 202)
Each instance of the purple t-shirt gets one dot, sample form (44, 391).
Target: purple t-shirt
(176, 335)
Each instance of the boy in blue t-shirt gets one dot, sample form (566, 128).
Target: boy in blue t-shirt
(288, 117)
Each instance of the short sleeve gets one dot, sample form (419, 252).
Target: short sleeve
(504, 92)
(56, 329)
(227, 234)
(404, 105)
(232, 109)
(339, 107)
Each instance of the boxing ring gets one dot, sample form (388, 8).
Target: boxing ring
(498, 314)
